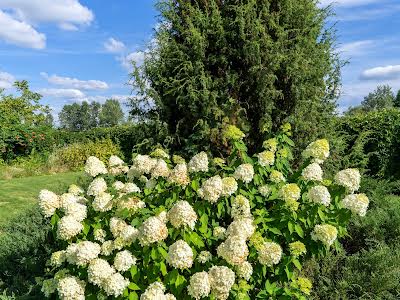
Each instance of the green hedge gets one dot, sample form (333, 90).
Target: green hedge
(371, 141)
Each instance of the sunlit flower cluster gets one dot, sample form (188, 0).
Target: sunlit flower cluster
(357, 203)
(312, 172)
(95, 166)
(48, 202)
(318, 151)
(199, 285)
(266, 158)
(211, 189)
(229, 186)
(269, 254)
(180, 255)
(349, 178)
(319, 194)
(276, 176)
(244, 172)
(152, 230)
(179, 175)
(325, 233)
(182, 214)
(71, 288)
(244, 270)
(198, 163)
(221, 281)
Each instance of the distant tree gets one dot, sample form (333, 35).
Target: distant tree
(95, 108)
(397, 100)
(381, 98)
(111, 113)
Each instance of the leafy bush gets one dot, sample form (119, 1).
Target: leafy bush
(253, 215)
(75, 155)
(372, 142)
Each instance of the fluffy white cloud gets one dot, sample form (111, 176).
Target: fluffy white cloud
(126, 61)
(347, 2)
(55, 11)
(381, 73)
(19, 33)
(75, 83)
(6, 80)
(356, 48)
(114, 46)
(72, 94)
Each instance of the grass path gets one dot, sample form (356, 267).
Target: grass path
(18, 194)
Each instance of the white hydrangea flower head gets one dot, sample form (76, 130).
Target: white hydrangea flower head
(180, 255)
(115, 285)
(95, 166)
(319, 194)
(132, 204)
(244, 172)
(269, 253)
(77, 211)
(198, 163)
(48, 203)
(264, 190)
(82, 253)
(325, 233)
(276, 176)
(313, 172)
(266, 158)
(97, 186)
(107, 248)
(199, 285)
(130, 187)
(154, 291)
(68, 227)
(271, 145)
(58, 258)
(170, 297)
(221, 281)
(71, 288)
(152, 230)
(211, 189)
(163, 216)
(98, 271)
(182, 214)
(115, 161)
(142, 164)
(179, 175)
(357, 203)
(117, 226)
(103, 202)
(124, 260)
(160, 169)
(129, 235)
(204, 256)
(49, 286)
(219, 232)
(290, 191)
(240, 207)
(118, 185)
(75, 190)
(244, 270)
(242, 227)
(100, 235)
(234, 250)
(118, 170)
(349, 178)
(68, 199)
(229, 186)
(318, 151)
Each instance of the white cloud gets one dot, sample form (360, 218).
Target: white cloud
(68, 27)
(20, 33)
(381, 73)
(72, 94)
(114, 46)
(54, 11)
(6, 80)
(347, 3)
(75, 83)
(126, 61)
(356, 48)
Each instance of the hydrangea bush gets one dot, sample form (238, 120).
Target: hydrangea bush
(233, 228)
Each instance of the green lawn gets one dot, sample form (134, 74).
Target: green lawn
(19, 194)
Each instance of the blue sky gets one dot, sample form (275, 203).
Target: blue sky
(79, 50)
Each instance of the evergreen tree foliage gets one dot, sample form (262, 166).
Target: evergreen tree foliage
(397, 100)
(253, 63)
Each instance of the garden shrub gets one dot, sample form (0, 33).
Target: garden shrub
(237, 228)
(75, 155)
(372, 142)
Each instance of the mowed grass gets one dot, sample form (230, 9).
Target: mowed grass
(18, 194)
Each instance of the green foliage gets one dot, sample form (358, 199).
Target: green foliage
(371, 142)
(382, 98)
(279, 216)
(23, 121)
(75, 155)
(368, 266)
(397, 100)
(111, 113)
(77, 117)
(255, 64)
